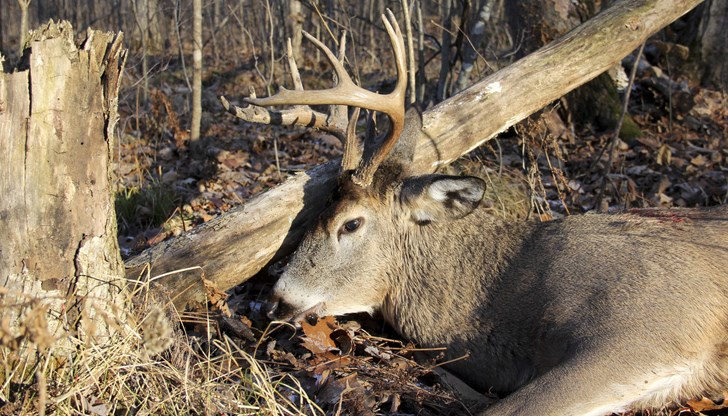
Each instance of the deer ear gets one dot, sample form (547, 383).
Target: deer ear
(441, 197)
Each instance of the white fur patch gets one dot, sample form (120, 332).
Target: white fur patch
(658, 387)
(439, 190)
(421, 215)
(296, 295)
(349, 308)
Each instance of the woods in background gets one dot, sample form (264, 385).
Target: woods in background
(455, 42)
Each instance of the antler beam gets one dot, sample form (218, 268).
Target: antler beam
(346, 92)
(299, 115)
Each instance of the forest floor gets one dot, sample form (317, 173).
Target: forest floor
(546, 167)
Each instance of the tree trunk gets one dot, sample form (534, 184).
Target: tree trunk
(443, 80)
(154, 26)
(295, 25)
(421, 76)
(196, 69)
(2, 37)
(538, 22)
(470, 53)
(216, 26)
(411, 69)
(60, 258)
(235, 246)
(714, 44)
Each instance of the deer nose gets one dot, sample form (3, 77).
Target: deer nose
(278, 309)
(271, 309)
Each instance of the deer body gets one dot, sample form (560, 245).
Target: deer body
(592, 314)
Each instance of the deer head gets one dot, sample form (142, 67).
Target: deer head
(346, 261)
(354, 258)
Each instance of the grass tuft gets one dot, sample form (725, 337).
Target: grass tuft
(148, 366)
(144, 207)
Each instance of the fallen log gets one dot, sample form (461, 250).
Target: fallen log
(230, 249)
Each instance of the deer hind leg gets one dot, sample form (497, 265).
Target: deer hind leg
(597, 383)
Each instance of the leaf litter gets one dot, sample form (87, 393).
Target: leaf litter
(340, 365)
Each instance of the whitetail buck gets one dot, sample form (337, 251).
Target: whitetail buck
(592, 314)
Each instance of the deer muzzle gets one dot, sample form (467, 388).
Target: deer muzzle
(280, 310)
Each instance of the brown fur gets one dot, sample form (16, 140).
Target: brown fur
(591, 314)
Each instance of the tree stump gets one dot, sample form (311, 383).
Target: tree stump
(60, 268)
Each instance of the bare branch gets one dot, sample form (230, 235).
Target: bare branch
(295, 75)
(302, 116)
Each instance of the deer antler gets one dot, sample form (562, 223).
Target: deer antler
(346, 92)
(365, 172)
(298, 115)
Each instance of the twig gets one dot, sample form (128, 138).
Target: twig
(278, 163)
(270, 80)
(627, 93)
(179, 44)
(420, 57)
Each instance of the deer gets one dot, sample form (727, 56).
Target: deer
(587, 315)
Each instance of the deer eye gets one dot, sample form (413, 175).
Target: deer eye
(351, 225)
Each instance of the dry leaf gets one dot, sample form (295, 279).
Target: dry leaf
(333, 390)
(318, 337)
(664, 155)
(705, 404)
(217, 297)
(344, 340)
(698, 160)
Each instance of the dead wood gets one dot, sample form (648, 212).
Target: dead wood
(235, 246)
(59, 246)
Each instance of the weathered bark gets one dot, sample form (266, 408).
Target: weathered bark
(59, 251)
(238, 244)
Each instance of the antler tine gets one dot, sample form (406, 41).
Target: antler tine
(365, 172)
(339, 116)
(295, 75)
(351, 148)
(346, 92)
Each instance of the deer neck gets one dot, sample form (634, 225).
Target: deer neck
(445, 276)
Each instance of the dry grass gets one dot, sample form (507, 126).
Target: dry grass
(506, 193)
(147, 367)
